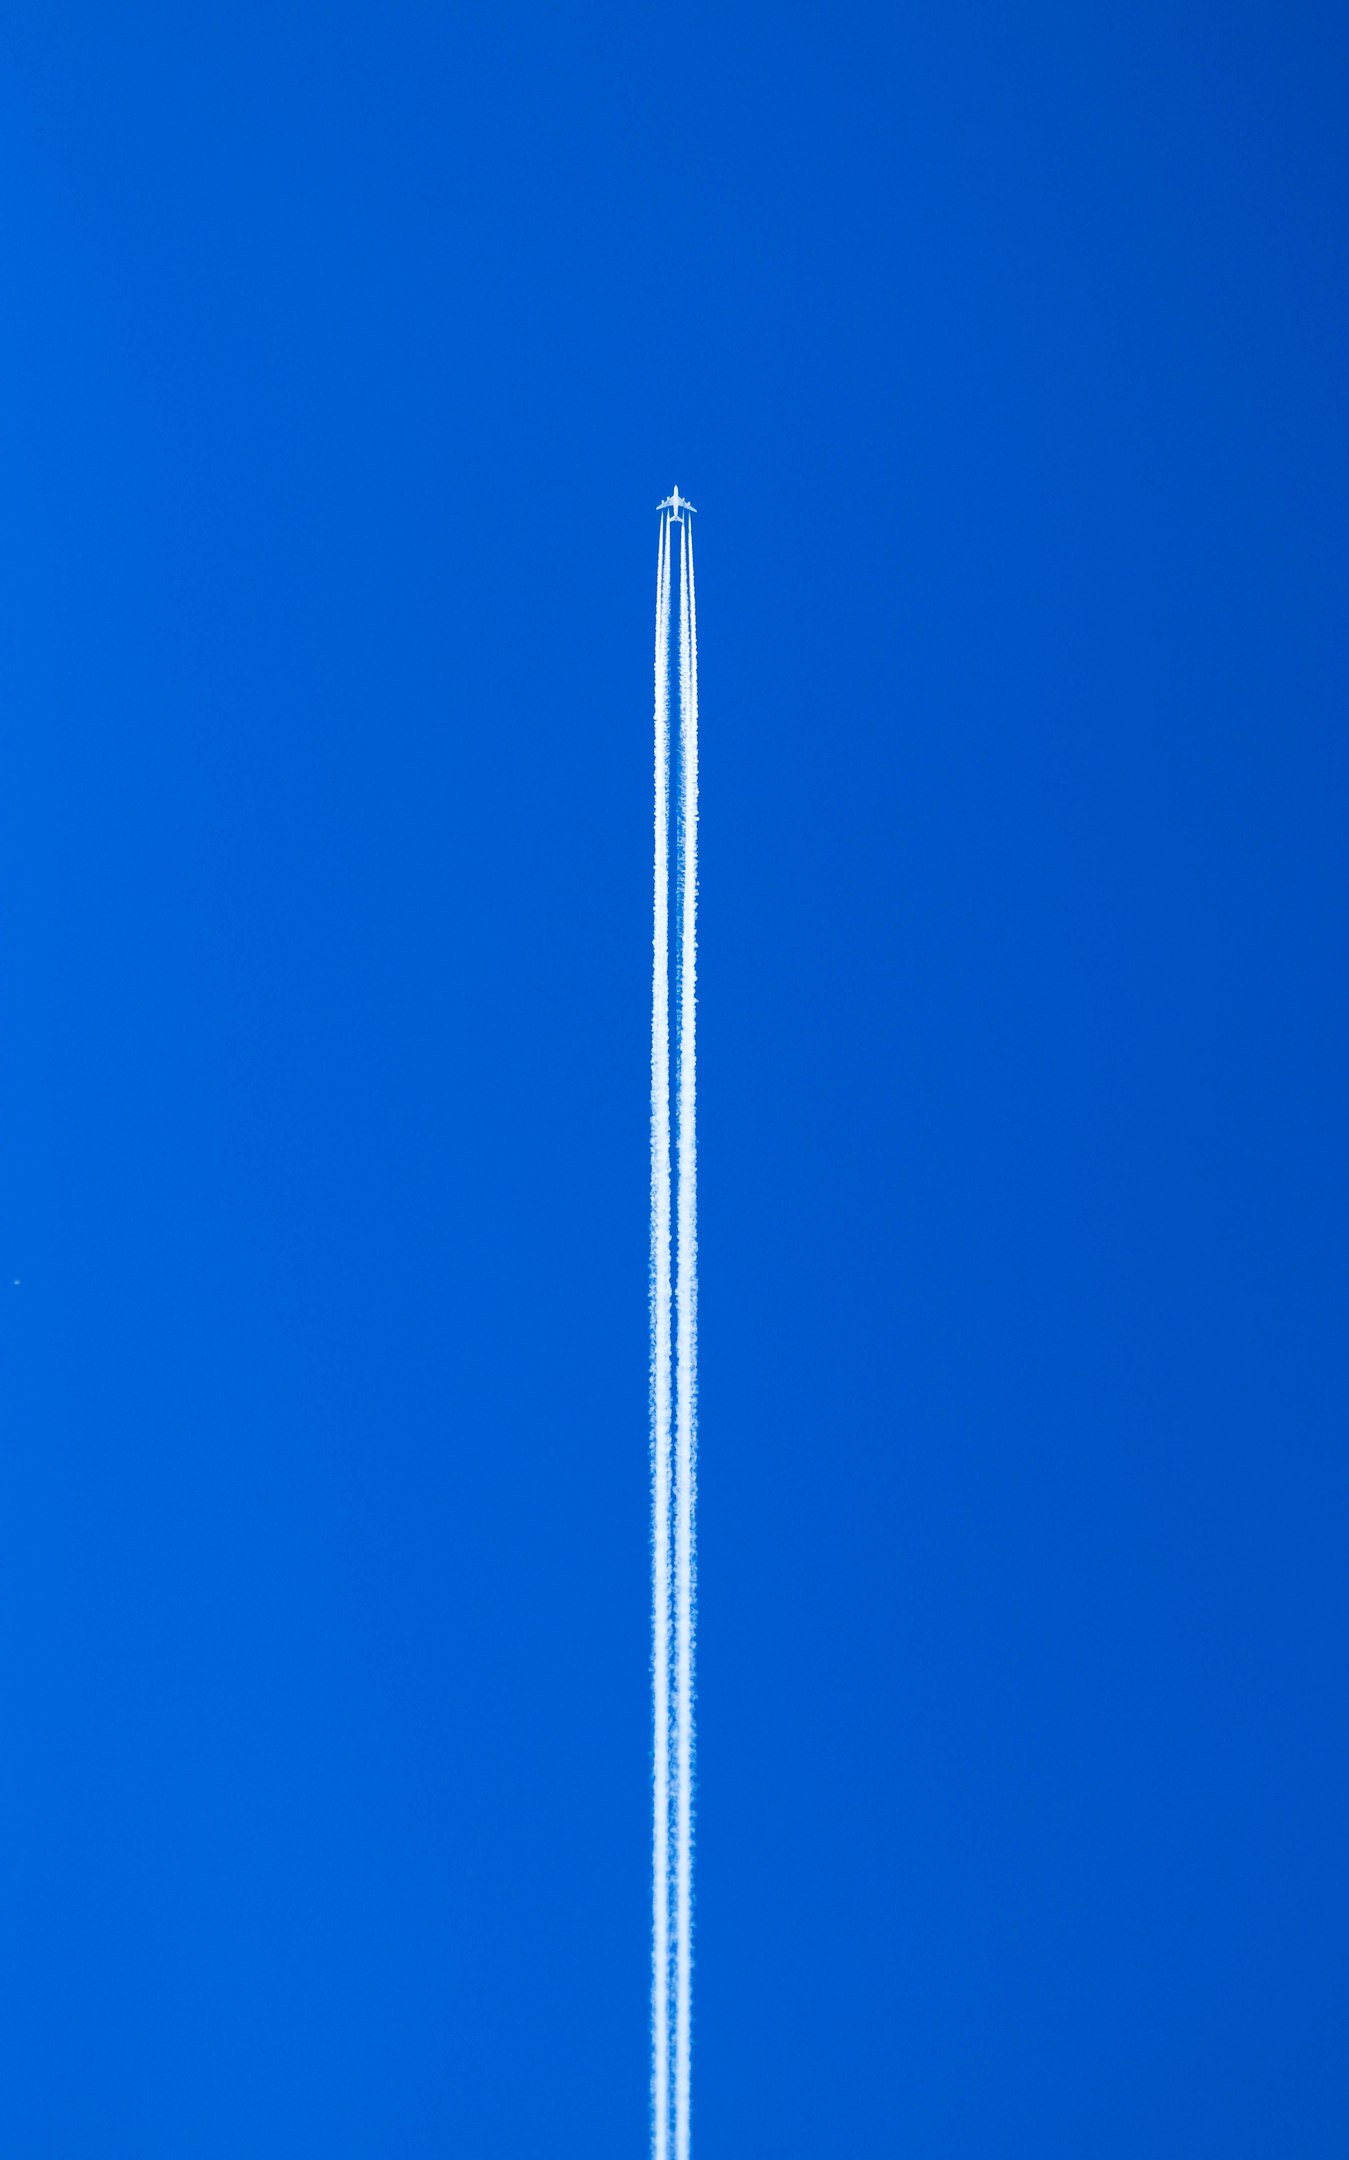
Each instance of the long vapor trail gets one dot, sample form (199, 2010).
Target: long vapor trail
(660, 1376)
(686, 1309)
(674, 1345)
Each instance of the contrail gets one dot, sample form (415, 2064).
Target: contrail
(674, 1354)
(686, 1362)
(660, 1374)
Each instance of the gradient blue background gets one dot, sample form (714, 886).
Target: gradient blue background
(346, 352)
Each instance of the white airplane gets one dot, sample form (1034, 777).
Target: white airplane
(674, 504)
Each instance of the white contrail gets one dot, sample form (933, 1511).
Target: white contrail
(686, 1347)
(660, 1375)
(674, 1359)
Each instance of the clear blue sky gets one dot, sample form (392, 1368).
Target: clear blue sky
(347, 351)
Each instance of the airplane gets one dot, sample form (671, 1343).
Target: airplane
(674, 504)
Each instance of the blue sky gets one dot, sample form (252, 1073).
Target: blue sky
(347, 353)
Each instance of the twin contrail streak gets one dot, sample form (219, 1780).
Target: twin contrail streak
(660, 1375)
(674, 1360)
(686, 1310)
